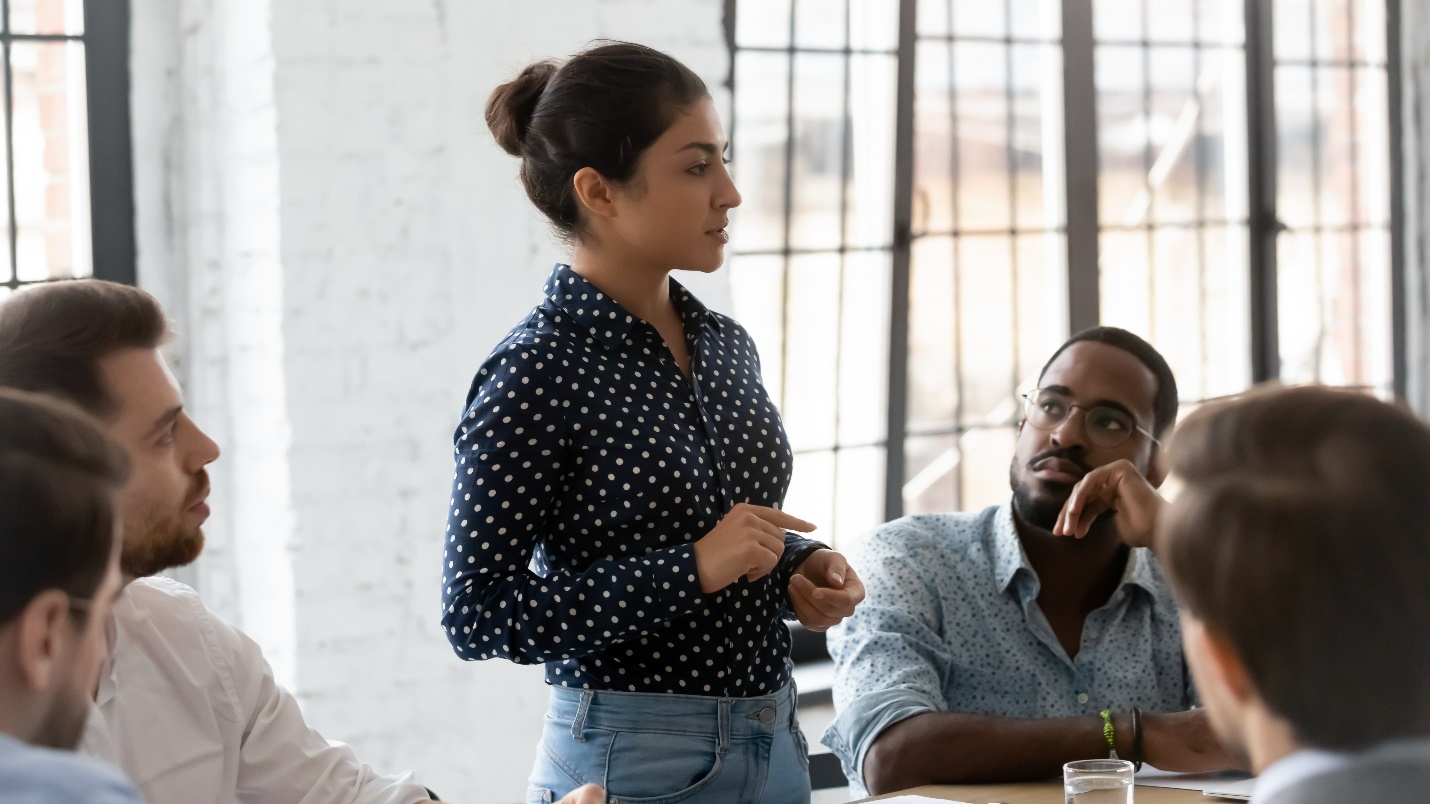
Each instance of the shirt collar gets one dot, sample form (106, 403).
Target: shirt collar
(1295, 768)
(1308, 763)
(1011, 561)
(607, 320)
(1008, 556)
(1139, 572)
(107, 681)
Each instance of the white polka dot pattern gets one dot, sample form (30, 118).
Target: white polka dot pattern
(951, 623)
(586, 465)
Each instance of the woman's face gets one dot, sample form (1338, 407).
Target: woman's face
(673, 214)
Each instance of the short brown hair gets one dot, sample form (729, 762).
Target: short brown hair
(53, 335)
(58, 477)
(1302, 537)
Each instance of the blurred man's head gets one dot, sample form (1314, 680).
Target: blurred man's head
(1299, 550)
(59, 564)
(97, 344)
(1104, 396)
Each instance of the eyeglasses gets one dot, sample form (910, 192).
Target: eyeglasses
(1106, 426)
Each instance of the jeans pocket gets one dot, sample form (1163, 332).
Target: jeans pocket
(565, 763)
(652, 767)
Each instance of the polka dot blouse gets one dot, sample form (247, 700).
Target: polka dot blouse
(587, 464)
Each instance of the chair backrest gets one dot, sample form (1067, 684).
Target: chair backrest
(825, 772)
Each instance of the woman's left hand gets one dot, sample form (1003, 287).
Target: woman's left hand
(824, 590)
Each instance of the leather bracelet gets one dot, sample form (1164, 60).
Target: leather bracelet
(1137, 738)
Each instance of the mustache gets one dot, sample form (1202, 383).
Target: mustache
(1072, 455)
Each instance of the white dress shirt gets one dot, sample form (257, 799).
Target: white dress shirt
(1295, 768)
(189, 709)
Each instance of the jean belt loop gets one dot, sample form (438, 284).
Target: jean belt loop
(578, 723)
(724, 718)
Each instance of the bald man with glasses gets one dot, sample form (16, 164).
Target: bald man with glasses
(995, 646)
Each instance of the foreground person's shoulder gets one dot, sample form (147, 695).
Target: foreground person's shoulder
(34, 774)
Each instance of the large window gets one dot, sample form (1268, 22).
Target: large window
(939, 191)
(66, 209)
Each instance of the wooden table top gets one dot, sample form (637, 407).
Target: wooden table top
(1040, 793)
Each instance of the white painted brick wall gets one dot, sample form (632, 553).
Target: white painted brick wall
(323, 210)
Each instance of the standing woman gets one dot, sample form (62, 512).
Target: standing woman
(619, 465)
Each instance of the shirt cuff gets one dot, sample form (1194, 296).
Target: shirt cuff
(859, 724)
(797, 549)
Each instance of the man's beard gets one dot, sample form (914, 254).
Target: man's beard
(63, 726)
(1036, 511)
(156, 540)
(1041, 512)
(164, 546)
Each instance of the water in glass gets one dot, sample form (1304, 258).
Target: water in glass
(1098, 790)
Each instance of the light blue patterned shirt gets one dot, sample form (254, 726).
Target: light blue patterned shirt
(952, 624)
(34, 775)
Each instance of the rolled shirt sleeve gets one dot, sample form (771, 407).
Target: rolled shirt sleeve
(890, 659)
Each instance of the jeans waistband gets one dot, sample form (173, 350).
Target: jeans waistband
(729, 718)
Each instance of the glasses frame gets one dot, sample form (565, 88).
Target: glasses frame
(1027, 417)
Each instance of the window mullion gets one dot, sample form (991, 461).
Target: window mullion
(1080, 165)
(1263, 224)
(897, 421)
(1398, 314)
(111, 167)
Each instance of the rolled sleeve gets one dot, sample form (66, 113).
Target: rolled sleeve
(890, 659)
(858, 725)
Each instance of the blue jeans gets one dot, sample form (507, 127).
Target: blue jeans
(651, 748)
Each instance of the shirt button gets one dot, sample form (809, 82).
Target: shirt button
(1082, 697)
(1092, 632)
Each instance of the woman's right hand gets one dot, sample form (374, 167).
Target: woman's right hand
(747, 543)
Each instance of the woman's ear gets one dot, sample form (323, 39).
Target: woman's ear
(594, 192)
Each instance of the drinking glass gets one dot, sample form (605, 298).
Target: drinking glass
(1097, 781)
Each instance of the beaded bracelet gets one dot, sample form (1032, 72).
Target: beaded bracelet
(1109, 733)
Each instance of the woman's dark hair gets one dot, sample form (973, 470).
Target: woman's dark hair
(601, 108)
(58, 477)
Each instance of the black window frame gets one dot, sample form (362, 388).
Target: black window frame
(105, 38)
(1083, 228)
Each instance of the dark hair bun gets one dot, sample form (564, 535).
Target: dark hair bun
(512, 104)
(603, 110)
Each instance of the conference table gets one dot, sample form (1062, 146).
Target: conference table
(1050, 792)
